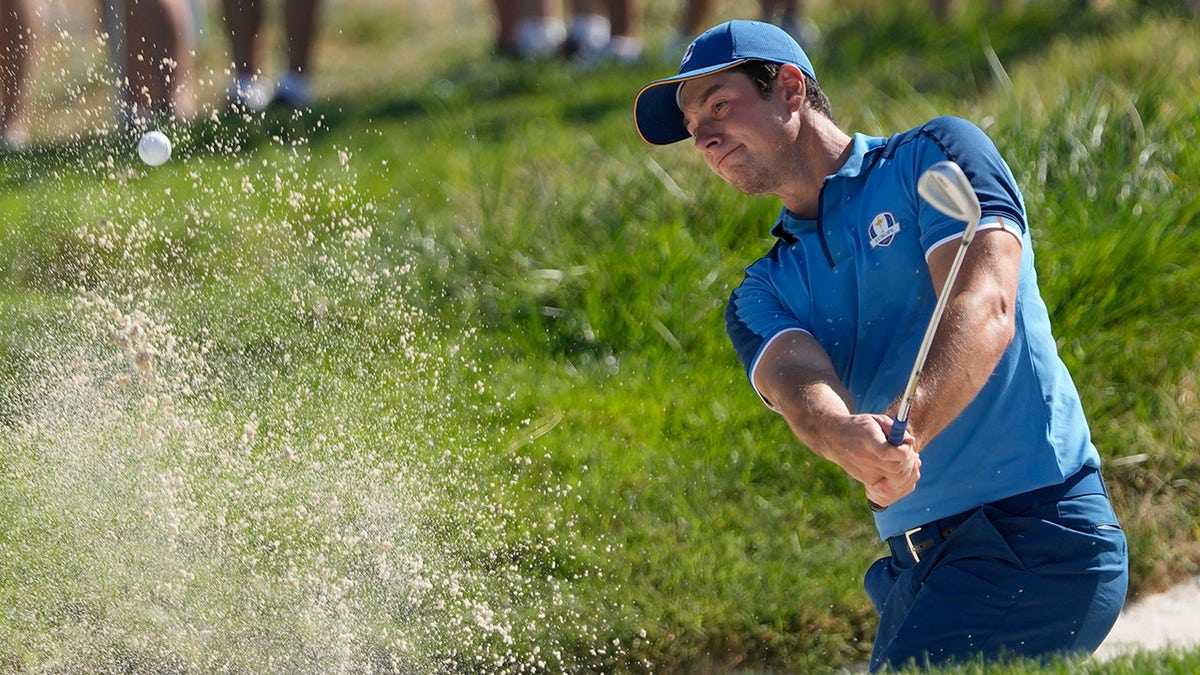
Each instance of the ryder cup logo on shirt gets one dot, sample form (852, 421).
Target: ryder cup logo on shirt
(883, 229)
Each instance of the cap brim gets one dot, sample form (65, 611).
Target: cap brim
(656, 110)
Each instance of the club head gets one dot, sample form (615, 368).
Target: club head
(946, 188)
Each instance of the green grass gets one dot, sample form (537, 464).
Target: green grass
(438, 376)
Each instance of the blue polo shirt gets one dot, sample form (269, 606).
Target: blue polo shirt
(856, 279)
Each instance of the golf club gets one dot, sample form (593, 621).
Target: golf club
(946, 188)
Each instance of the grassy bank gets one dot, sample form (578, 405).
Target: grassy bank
(435, 378)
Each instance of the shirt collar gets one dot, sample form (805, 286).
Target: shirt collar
(863, 150)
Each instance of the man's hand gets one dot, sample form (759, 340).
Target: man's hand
(859, 445)
(796, 377)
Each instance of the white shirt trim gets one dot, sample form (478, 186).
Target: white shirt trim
(987, 223)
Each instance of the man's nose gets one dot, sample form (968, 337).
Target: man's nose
(704, 137)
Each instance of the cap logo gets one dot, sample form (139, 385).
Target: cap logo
(883, 229)
(687, 55)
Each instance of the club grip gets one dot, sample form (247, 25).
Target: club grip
(896, 436)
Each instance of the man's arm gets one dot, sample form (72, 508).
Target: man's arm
(796, 376)
(976, 328)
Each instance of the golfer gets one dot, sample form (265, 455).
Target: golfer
(1002, 538)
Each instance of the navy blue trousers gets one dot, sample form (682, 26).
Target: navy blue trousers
(1046, 582)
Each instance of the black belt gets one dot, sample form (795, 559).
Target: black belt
(907, 548)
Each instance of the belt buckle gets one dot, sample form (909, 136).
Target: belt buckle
(908, 542)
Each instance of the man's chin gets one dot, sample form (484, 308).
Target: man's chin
(751, 190)
(748, 187)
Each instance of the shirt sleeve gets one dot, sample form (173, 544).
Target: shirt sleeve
(1001, 202)
(756, 314)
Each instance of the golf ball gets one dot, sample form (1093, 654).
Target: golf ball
(154, 148)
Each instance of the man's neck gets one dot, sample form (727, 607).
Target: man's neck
(824, 150)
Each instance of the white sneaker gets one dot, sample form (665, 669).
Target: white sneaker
(294, 91)
(14, 140)
(588, 36)
(539, 37)
(625, 49)
(249, 93)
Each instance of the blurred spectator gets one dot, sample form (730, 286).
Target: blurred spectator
(787, 14)
(530, 28)
(158, 43)
(697, 17)
(605, 29)
(790, 16)
(151, 45)
(598, 29)
(16, 47)
(507, 14)
(249, 90)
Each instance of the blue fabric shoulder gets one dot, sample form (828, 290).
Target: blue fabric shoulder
(964, 143)
(747, 342)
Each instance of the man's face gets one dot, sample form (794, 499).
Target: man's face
(741, 134)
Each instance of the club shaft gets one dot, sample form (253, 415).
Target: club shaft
(898, 428)
(900, 425)
(947, 189)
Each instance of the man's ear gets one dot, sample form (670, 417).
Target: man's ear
(791, 84)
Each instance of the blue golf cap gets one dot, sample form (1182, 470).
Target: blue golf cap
(656, 109)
